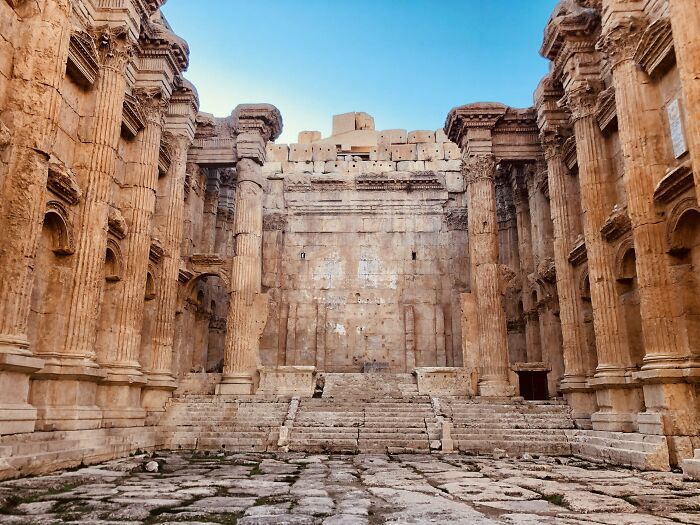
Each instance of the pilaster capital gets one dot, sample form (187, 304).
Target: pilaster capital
(479, 167)
(582, 97)
(152, 104)
(621, 36)
(114, 48)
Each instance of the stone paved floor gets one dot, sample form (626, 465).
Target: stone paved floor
(251, 489)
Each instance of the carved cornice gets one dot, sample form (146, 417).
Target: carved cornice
(156, 250)
(617, 224)
(606, 109)
(133, 118)
(677, 181)
(479, 167)
(157, 40)
(568, 153)
(166, 153)
(571, 30)
(578, 254)
(478, 115)
(116, 223)
(83, 59)
(62, 182)
(255, 124)
(656, 47)
(621, 36)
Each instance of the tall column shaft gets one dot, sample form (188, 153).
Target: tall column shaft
(30, 110)
(486, 278)
(685, 22)
(571, 315)
(91, 242)
(138, 207)
(167, 284)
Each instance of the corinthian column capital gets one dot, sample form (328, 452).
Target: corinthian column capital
(581, 98)
(621, 35)
(153, 104)
(114, 48)
(479, 167)
(255, 125)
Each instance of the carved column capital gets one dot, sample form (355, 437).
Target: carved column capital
(581, 98)
(114, 48)
(478, 167)
(152, 103)
(255, 125)
(621, 36)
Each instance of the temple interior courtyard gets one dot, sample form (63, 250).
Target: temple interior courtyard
(492, 321)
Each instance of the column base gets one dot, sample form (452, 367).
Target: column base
(581, 398)
(236, 385)
(619, 399)
(64, 396)
(119, 396)
(17, 416)
(496, 388)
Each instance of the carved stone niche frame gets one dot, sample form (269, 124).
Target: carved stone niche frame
(133, 117)
(57, 214)
(83, 59)
(678, 239)
(655, 52)
(624, 272)
(62, 182)
(114, 261)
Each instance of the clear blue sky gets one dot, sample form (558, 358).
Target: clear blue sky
(406, 62)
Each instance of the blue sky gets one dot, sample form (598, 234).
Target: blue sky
(406, 62)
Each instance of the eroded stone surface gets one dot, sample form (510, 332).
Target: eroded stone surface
(261, 489)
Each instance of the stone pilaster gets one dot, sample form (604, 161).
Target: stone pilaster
(670, 410)
(30, 113)
(247, 315)
(70, 374)
(120, 395)
(685, 22)
(487, 285)
(618, 400)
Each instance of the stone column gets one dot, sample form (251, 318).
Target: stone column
(527, 266)
(119, 397)
(685, 22)
(480, 174)
(29, 118)
(618, 401)
(255, 125)
(576, 365)
(641, 129)
(161, 380)
(64, 390)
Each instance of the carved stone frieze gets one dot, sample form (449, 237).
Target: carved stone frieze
(62, 182)
(617, 224)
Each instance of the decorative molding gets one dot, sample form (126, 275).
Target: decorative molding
(62, 182)
(83, 59)
(578, 254)
(133, 118)
(116, 223)
(420, 180)
(617, 224)
(606, 110)
(274, 222)
(478, 115)
(677, 181)
(568, 153)
(655, 49)
(165, 157)
(156, 250)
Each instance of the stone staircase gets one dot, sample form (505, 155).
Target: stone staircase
(480, 426)
(208, 422)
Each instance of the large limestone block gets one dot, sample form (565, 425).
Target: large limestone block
(364, 121)
(454, 181)
(277, 152)
(452, 151)
(287, 381)
(271, 168)
(421, 136)
(431, 151)
(307, 137)
(410, 165)
(691, 467)
(443, 165)
(336, 166)
(300, 153)
(344, 123)
(380, 166)
(383, 151)
(393, 136)
(324, 151)
(445, 381)
(440, 136)
(403, 152)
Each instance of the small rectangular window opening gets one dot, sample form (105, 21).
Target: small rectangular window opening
(413, 255)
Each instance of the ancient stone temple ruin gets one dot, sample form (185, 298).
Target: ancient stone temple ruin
(520, 279)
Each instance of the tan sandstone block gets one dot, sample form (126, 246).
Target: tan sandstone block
(383, 151)
(307, 137)
(300, 152)
(324, 151)
(410, 165)
(393, 136)
(454, 181)
(452, 151)
(421, 136)
(443, 165)
(431, 151)
(440, 136)
(403, 152)
(277, 152)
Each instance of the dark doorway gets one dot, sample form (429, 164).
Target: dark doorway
(533, 385)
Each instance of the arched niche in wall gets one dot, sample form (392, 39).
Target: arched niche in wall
(628, 291)
(107, 321)
(683, 237)
(584, 288)
(148, 323)
(53, 279)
